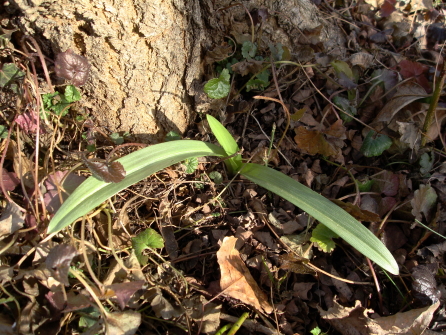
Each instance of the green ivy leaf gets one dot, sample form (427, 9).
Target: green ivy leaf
(249, 50)
(220, 87)
(375, 145)
(323, 236)
(260, 82)
(147, 239)
(191, 165)
(216, 177)
(344, 104)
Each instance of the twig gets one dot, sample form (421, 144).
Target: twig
(433, 105)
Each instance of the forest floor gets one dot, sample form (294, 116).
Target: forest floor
(192, 249)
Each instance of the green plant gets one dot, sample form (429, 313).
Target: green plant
(143, 163)
(59, 103)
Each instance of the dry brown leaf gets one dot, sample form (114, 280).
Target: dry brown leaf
(236, 280)
(313, 142)
(405, 94)
(11, 220)
(354, 320)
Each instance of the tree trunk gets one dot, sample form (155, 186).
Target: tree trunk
(147, 56)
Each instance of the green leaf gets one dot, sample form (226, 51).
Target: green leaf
(323, 236)
(375, 145)
(60, 103)
(426, 162)
(3, 132)
(172, 136)
(365, 185)
(138, 165)
(276, 51)
(249, 50)
(148, 239)
(116, 138)
(342, 67)
(9, 73)
(344, 104)
(216, 177)
(220, 87)
(191, 165)
(323, 210)
(228, 143)
(71, 94)
(261, 81)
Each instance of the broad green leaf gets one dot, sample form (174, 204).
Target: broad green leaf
(323, 210)
(249, 50)
(148, 239)
(138, 165)
(375, 145)
(227, 142)
(9, 73)
(323, 236)
(220, 87)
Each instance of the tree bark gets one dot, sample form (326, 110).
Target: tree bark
(147, 56)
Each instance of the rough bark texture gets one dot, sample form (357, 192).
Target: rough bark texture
(147, 56)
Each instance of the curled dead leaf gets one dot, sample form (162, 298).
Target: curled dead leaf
(236, 280)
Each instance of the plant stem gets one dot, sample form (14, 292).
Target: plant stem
(238, 324)
(433, 106)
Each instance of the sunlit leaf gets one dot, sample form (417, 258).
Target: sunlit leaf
(191, 165)
(72, 67)
(323, 236)
(220, 87)
(323, 210)
(147, 239)
(138, 165)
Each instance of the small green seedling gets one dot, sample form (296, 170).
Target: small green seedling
(141, 164)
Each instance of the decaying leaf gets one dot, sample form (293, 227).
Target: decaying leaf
(11, 220)
(354, 320)
(236, 280)
(313, 142)
(425, 285)
(163, 308)
(10, 180)
(124, 291)
(423, 202)
(123, 323)
(203, 312)
(405, 94)
(58, 261)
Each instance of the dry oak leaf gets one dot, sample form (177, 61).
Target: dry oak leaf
(354, 320)
(236, 280)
